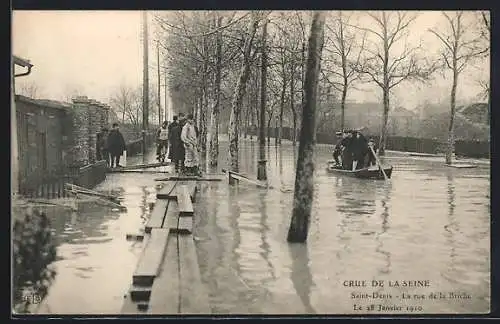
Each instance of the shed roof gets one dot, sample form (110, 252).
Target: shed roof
(45, 102)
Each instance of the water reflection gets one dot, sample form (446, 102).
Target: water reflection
(452, 227)
(301, 274)
(355, 196)
(265, 230)
(385, 226)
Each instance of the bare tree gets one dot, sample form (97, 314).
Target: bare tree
(30, 89)
(239, 92)
(347, 49)
(213, 134)
(386, 68)
(304, 176)
(460, 45)
(261, 168)
(122, 101)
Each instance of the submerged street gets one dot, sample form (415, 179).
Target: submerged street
(429, 222)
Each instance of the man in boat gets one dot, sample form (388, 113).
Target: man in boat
(337, 150)
(359, 148)
(346, 155)
(370, 158)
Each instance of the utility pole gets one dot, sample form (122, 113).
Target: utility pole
(261, 163)
(159, 91)
(145, 81)
(167, 111)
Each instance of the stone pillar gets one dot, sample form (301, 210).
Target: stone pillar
(81, 119)
(94, 127)
(105, 115)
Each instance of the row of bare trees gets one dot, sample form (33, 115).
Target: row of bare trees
(127, 104)
(214, 64)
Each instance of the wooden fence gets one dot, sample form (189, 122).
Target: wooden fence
(465, 148)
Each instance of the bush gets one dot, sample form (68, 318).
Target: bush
(33, 252)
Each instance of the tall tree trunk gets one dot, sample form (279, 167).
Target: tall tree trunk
(214, 118)
(276, 132)
(294, 129)
(304, 176)
(261, 166)
(239, 93)
(269, 129)
(385, 90)
(451, 127)
(292, 99)
(282, 107)
(342, 104)
(385, 119)
(203, 123)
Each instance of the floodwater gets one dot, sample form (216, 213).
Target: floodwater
(429, 225)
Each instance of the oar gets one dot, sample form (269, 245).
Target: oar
(378, 162)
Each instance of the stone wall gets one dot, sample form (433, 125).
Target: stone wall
(89, 117)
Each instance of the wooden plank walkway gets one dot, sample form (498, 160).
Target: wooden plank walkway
(166, 290)
(167, 279)
(143, 166)
(184, 200)
(151, 258)
(167, 192)
(137, 171)
(157, 215)
(208, 177)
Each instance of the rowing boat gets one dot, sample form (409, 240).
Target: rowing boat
(372, 172)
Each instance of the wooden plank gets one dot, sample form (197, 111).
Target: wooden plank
(165, 290)
(180, 225)
(135, 237)
(172, 219)
(462, 166)
(144, 166)
(151, 258)
(139, 293)
(184, 201)
(193, 178)
(157, 215)
(167, 192)
(194, 295)
(137, 171)
(79, 189)
(258, 183)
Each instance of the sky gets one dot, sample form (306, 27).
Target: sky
(94, 52)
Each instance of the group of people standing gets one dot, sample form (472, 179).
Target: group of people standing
(110, 146)
(354, 150)
(181, 138)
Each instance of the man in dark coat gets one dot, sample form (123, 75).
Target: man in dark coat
(359, 150)
(347, 142)
(177, 147)
(370, 158)
(170, 126)
(115, 145)
(339, 147)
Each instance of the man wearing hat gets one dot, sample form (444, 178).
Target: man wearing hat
(371, 158)
(337, 150)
